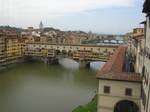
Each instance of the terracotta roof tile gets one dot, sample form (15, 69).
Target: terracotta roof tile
(113, 68)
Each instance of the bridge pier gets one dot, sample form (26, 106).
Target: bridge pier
(52, 60)
(84, 64)
(47, 60)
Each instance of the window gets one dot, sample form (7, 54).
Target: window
(128, 92)
(106, 50)
(106, 89)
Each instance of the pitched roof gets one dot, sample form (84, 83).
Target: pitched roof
(113, 68)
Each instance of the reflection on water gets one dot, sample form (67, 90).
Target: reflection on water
(73, 65)
(96, 65)
(69, 64)
(37, 87)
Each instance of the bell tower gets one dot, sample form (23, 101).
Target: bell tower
(41, 27)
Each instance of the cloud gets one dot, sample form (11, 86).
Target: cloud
(59, 7)
(37, 9)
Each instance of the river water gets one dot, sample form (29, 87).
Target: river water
(37, 87)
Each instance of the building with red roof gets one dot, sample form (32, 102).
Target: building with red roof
(118, 87)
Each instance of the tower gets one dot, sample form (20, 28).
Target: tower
(41, 27)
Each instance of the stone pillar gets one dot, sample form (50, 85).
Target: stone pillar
(46, 60)
(53, 61)
(117, 41)
(84, 64)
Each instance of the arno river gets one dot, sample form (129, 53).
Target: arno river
(37, 87)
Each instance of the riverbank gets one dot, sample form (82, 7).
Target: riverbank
(90, 107)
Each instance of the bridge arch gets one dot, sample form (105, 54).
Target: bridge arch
(126, 106)
(64, 51)
(70, 53)
(57, 51)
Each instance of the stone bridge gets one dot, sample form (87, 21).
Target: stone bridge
(83, 54)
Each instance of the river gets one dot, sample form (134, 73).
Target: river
(37, 87)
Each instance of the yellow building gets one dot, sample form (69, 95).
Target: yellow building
(2, 49)
(13, 47)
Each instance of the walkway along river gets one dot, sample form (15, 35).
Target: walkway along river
(37, 87)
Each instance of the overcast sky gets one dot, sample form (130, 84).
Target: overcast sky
(101, 16)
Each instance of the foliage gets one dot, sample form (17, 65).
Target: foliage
(90, 107)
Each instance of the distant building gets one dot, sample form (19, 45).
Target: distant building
(139, 44)
(2, 48)
(41, 27)
(30, 30)
(13, 48)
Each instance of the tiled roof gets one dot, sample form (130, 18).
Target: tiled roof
(113, 68)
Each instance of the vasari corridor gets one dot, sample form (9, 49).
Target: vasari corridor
(75, 56)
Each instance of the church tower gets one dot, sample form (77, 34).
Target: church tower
(41, 27)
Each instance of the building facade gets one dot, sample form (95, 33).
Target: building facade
(118, 91)
(136, 49)
(2, 49)
(146, 68)
(13, 48)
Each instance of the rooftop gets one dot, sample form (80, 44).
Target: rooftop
(113, 69)
(138, 36)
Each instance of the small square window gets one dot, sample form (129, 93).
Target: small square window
(128, 92)
(106, 89)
